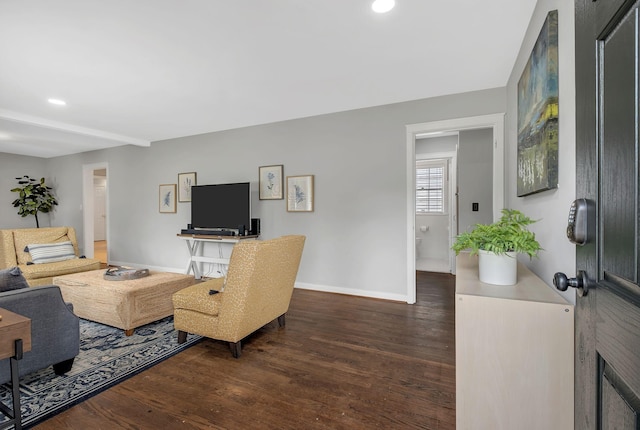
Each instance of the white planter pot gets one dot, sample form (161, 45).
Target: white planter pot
(498, 269)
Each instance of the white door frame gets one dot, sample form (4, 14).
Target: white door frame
(88, 205)
(494, 121)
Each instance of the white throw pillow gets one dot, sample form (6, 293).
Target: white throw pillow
(51, 252)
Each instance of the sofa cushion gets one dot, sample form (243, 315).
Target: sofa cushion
(12, 279)
(23, 237)
(37, 271)
(42, 253)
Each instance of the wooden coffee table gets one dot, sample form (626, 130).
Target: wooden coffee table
(123, 304)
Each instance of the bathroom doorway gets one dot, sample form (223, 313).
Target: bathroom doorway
(494, 123)
(454, 192)
(436, 201)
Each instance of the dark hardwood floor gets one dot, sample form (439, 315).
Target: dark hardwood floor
(342, 362)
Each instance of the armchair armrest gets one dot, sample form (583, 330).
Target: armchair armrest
(7, 250)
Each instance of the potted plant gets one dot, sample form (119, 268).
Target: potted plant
(498, 244)
(35, 196)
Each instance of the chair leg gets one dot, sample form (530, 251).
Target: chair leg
(281, 320)
(63, 367)
(236, 349)
(182, 336)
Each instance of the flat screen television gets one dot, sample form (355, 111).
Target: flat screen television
(221, 206)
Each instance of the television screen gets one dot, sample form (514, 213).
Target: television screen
(221, 206)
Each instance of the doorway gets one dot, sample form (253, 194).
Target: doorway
(95, 204)
(495, 122)
(100, 245)
(436, 205)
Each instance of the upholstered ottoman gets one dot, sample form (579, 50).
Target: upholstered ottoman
(123, 304)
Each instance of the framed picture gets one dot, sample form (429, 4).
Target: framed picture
(537, 167)
(300, 193)
(167, 199)
(185, 182)
(271, 182)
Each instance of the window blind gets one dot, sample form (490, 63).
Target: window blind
(431, 183)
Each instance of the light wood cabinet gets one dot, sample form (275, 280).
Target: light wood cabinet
(514, 353)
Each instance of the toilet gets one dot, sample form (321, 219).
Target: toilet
(418, 241)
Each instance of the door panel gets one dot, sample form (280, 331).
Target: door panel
(607, 356)
(619, 412)
(617, 332)
(618, 181)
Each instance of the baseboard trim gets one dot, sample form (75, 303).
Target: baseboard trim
(301, 285)
(352, 292)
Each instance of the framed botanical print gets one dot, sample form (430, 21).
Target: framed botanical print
(271, 182)
(167, 198)
(300, 193)
(185, 182)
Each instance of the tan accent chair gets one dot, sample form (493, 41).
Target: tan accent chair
(12, 253)
(257, 290)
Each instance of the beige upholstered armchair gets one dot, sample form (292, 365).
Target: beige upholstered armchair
(257, 290)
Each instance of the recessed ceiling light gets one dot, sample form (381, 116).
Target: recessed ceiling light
(383, 6)
(57, 102)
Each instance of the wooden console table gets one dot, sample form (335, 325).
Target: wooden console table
(15, 339)
(195, 244)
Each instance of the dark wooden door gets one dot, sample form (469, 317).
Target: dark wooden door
(607, 353)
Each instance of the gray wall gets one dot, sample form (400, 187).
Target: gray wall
(550, 207)
(356, 237)
(430, 145)
(475, 178)
(357, 234)
(15, 166)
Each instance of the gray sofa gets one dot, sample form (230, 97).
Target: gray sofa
(55, 330)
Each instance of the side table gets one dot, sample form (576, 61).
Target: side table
(15, 339)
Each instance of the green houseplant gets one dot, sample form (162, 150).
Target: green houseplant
(500, 242)
(34, 196)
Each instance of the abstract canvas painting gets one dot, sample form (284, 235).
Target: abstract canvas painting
(538, 114)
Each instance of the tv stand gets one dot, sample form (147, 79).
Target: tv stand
(195, 244)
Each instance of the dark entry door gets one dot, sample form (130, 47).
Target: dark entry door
(607, 354)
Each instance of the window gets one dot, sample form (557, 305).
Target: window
(431, 186)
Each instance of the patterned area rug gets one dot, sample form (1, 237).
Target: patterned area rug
(106, 358)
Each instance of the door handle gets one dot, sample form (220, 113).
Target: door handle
(580, 282)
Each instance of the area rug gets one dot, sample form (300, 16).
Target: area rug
(106, 358)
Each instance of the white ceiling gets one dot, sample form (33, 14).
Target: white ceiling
(134, 72)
